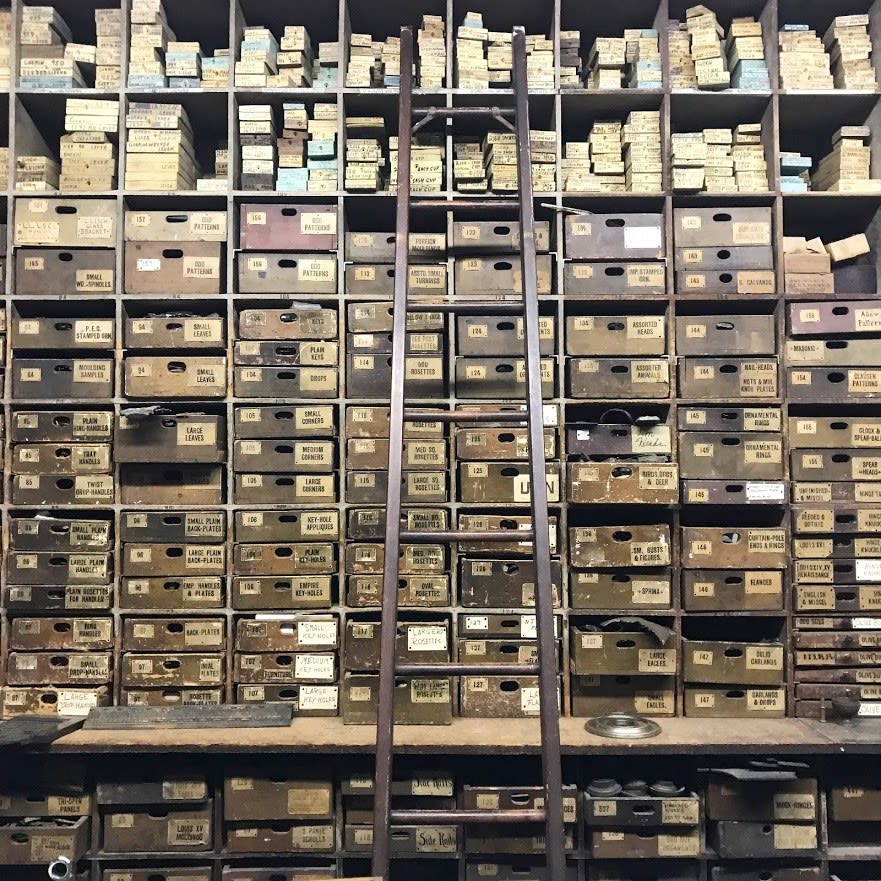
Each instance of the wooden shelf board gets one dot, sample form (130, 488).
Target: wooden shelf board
(470, 736)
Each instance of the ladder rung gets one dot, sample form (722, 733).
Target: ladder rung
(458, 668)
(461, 416)
(489, 205)
(460, 816)
(498, 307)
(508, 112)
(467, 535)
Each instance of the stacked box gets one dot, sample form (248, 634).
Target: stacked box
(724, 251)
(183, 64)
(427, 163)
(36, 174)
(853, 812)
(570, 60)
(49, 57)
(366, 149)
(159, 147)
(150, 36)
(632, 61)
(636, 658)
(425, 483)
(39, 816)
(683, 74)
(730, 676)
(215, 70)
(219, 182)
(850, 49)
(265, 813)
(258, 58)
(431, 53)
(847, 169)
(472, 63)
(491, 163)
(88, 156)
(164, 814)
(5, 46)
(65, 245)
(844, 266)
(419, 790)
(108, 51)
(720, 160)
(365, 68)
(257, 137)
(707, 49)
(618, 157)
(745, 49)
(64, 469)
(743, 802)
(795, 172)
(661, 821)
(804, 63)
(290, 658)
(328, 70)
(833, 354)
(484, 58)
(297, 66)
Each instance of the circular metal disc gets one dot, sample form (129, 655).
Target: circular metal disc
(623, 726)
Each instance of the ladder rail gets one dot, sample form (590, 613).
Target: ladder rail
(549, 710)
(385, 714)
(552, 812)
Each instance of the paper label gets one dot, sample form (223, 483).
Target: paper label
(189, 832)
(792, 837)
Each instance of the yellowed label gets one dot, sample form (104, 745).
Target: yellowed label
(794, 837)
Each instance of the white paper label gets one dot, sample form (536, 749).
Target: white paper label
(642, 237)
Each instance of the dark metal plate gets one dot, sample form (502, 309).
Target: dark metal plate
(275, 715)
(35, 730)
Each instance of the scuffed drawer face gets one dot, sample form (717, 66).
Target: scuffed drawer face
(181, 226)
(66, 459)
(270, 273)
(499, 275)
(306, 633)
(171, 438)
(489, 482)
(713, 378)
(644, 695)
(622, 482)
(285, 382)
(284, 422)
(376, 247)
(175, 333)
(615, 546)
(618, 378)
(616, 335)
(172, 528)
(716, 283)
(496, 236)
(62, 333)
(48, 271)
(177, 829)
(417, 701)
(51, 379)
(184, 377)
(174, 635)
(174, 670)
(66, 223)
(722, 227)
(288, 227)
(59, 534)
(732, 663)
(187, 267)
(256, 353)
(721, 335)
(499, 697)
(734, 547)
(734, 702)
(710, 590)
(500, 378)
(649, 278)
(286, 593)
(61, 426)
(302, 321)
(615, 236)
(833, 385)
(500, 336)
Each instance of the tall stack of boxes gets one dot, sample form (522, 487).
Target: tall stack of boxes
(720, 160)
(108, 52)
(159, 146)
(618, 157)
(88, 155)
(804, 62)
(847, 169)
(704, 57)
(44, 58)
(850, 50)
(632, 61)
